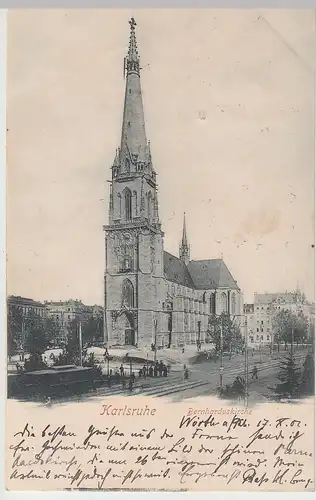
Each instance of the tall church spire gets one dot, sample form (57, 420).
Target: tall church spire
(184, 251)
(184, 233)
(133, 141)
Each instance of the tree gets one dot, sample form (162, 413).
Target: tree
(92, 329)
(35, 336)
(72, 349)
(232, 339)
(289, 376)
(289, 327)
(52, 328)
(14, 328)
(308, 376)
(35, 341)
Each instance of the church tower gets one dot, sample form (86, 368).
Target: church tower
(184, 250)
(133, 236)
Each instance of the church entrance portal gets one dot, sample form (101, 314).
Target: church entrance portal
(126, 330)
(129, 336)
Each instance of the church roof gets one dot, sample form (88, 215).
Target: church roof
(199, 274)
(175, 270)
(211, 273)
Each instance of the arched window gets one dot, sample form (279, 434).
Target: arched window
(224, 302)
(127, 165)
(135, 203)
(128, 294)
(119, 204)
(128, 204)
(233, 304)
(149, 205)
(213, 303)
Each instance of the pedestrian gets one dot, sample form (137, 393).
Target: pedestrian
(151, 371)
(145, 371)
(165, 371)
(48, 401)
(140, 372)
(182, 350)
(122, 370)
(160, 369)
(130, 384)
(110, 378)
(186, 374)
(155, 370)
(133, 377)
(255, 373)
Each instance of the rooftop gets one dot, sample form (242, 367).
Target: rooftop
(24, 301)
(199, 274)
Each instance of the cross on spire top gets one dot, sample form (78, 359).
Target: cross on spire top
(132, 23)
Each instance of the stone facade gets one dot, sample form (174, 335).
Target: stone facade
(151, 296)
(64, 312)
(260, 314)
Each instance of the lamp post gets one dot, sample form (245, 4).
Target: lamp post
(155, 340)
(80, 342)
(23, 338)
(246, 362)
(221, 369)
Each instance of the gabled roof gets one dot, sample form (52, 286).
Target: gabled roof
(282, 297)
(175, 270)
(211, 273)
(199, 274)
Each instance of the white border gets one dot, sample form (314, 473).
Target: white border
(3, 27)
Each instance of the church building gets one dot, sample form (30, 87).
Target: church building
(152, 296)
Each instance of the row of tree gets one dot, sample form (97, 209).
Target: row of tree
(35, 333)
(287, 328)
(291, 328)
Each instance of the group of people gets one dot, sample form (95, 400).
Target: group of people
(158, 369)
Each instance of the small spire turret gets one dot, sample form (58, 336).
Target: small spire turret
(184, 251)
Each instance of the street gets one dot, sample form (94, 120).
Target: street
(203, 381)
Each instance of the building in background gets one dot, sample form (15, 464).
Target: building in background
(260, 314)
(21, 310)
(26, 305)
(65, 312)
(18, 310)
(151, 296)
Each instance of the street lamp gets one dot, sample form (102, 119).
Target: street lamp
(80, 342)
(155, 340)
(221, 369)
(246, 362)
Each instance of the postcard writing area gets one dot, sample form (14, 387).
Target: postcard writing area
(163, 448)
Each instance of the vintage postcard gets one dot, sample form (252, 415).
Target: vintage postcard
(160, 249)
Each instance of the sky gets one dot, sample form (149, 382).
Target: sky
(229, 108)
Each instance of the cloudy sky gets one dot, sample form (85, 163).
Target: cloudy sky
(228, 98)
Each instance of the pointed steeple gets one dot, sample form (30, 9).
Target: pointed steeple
(133, 140)
(184, 251)
(184, 233)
